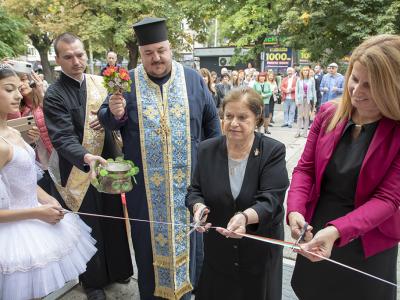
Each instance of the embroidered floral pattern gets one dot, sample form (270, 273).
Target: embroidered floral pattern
(165, 144)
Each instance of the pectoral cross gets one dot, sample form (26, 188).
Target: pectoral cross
(164, 128)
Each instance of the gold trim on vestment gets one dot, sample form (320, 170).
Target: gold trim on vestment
(171, 262)
(93, 141)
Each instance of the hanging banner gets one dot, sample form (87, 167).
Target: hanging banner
(304, 57)
(270, 40)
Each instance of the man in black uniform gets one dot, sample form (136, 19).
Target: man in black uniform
(70, 108)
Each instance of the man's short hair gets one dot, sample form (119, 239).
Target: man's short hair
(65, 37)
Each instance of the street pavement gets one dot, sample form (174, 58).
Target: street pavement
(294, 148)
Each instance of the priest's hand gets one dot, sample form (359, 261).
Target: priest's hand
(296, 223)
(91, 160)
(321, 244)
(94, 121)
(117, 105)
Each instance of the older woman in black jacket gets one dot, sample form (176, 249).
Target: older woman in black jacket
(239, 184)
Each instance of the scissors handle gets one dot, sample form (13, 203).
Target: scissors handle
(199, 223)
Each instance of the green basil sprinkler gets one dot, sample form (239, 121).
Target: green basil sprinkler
(115, 177)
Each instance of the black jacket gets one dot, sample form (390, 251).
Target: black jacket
(64, 111)
(263, 189)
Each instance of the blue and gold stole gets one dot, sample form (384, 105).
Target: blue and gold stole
(164, 123)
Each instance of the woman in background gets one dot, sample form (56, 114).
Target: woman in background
(205, 73)
(32, 104)
(264, 89)
(274, 88)
(305, 95)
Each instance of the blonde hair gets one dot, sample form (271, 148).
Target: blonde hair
(380, 55)
(302, 70)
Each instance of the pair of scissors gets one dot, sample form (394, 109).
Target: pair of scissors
(199, 223)
(302, 234)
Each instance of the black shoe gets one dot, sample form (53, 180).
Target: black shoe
(285, 125)
(270, 125)
(124, 281)
(267, 132)
(95, 294)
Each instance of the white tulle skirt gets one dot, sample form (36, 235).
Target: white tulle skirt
(37, 258)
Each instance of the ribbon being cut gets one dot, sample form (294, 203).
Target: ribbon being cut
(293, 246)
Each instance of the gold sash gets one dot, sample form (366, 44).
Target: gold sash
(93, 141)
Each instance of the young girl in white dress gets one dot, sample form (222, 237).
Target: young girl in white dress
(40, 247)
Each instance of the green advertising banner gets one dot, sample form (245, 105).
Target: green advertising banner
(271, 40)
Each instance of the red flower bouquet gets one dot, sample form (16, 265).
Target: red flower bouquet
(117, 79)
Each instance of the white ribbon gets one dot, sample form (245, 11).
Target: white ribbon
(250, 236)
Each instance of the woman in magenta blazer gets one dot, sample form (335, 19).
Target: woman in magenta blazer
(347, 183)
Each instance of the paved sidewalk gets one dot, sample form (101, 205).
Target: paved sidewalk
(294, 148)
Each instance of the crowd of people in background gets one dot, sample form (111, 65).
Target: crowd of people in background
(301, 91)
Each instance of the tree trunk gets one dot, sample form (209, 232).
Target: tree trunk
(47, 72)
(43, 43)
(259, 49)
(133, 50)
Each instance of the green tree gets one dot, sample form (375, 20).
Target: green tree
(327, 29)
(119, 16)
(330, 29)
(243, 23)
(12, 37)
(107, 25)
(46, 19)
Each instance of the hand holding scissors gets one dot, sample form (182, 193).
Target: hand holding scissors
(199, 219)
(297, 224)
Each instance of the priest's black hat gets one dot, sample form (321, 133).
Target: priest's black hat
(150, 31)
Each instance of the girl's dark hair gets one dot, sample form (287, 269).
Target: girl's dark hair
(205, 73)
(252, 99)
(6, 71)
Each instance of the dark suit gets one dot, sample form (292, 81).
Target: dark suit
(318, 78)
(241, 268)
(221, 91)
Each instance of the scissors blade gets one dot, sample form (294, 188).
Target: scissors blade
(302, 234)
(195, 225)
